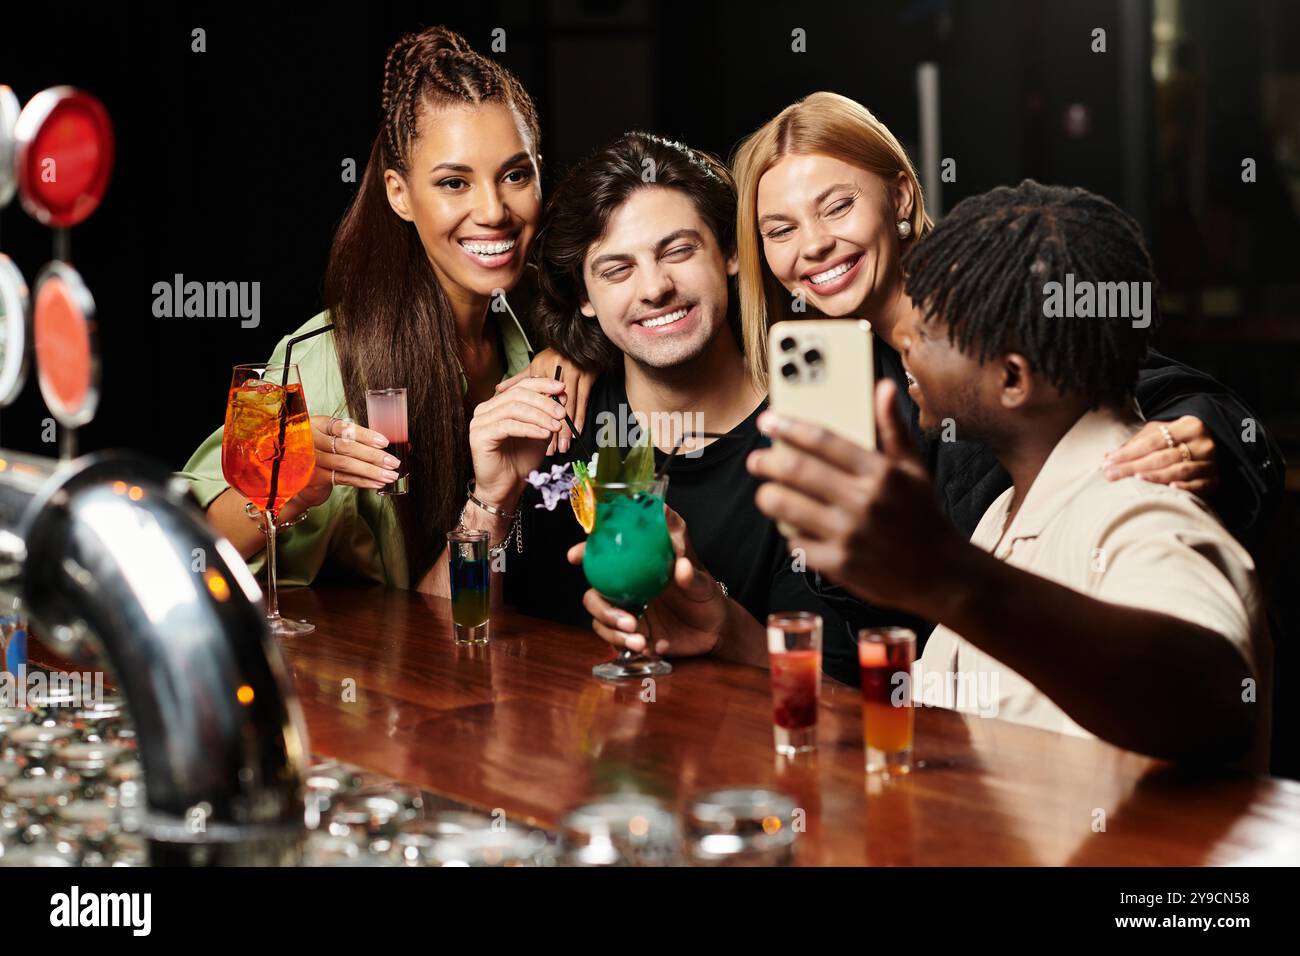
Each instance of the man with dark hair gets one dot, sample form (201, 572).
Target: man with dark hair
(1122, 608)
(635, 252)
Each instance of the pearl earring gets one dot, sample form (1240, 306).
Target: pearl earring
(904, 228)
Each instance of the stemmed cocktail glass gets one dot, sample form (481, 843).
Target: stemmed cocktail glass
(267, 455)
(629, 560)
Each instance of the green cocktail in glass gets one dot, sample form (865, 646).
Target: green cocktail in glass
(629, 560)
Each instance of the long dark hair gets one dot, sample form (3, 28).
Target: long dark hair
(393, 323)
(579, 212)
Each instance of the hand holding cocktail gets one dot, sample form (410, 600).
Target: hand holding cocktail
(692, 608)
(629, 556)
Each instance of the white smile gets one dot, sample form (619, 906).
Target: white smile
(668, 319)
(474, 247)
(822, 278)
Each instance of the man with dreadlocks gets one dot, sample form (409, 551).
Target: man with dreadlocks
(1122, 608)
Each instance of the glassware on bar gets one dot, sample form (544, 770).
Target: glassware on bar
(41, 796)
(364, 815)
(87, 825)
(471, 585)
(325, 784)
(740, 827)
(128, 849)
(11, 718)
(322, 848)
(629, 560)
(621, 829)
(386, 414)
(42, 854)
(36, 744)
(100, 720)
(268, 456)
(510, 845)
(89, 763)
(794, 644)
(416, 843)
(885, 657)
(55, 703)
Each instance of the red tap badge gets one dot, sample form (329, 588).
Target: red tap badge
(64, 155)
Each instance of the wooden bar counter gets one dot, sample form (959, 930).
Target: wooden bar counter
(521, 725)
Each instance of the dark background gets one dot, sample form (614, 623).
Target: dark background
(229, 161)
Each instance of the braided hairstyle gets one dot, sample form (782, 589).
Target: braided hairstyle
(439, 66)
(393, 322)
(983, 270)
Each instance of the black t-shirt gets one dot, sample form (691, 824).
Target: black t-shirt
(714, 493)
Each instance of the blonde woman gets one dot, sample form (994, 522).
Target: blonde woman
(828, 201)
(829, 204)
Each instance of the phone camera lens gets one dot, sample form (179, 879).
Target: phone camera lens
(812, 357)
(788, 344)
(789, 371)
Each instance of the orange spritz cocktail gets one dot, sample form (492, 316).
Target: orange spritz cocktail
(268, 456)
(252, 445)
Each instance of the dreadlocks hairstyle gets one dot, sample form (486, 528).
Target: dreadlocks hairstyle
(393, 323)
(579, 212)
(983, 269)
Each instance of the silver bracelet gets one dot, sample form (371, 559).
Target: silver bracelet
(516, 527)
(490, 509)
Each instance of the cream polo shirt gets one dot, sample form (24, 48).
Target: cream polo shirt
(1129, 542)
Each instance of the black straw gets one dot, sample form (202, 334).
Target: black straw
(284, 408)
(582, 445)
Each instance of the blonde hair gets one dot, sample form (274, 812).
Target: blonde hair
(823, 123)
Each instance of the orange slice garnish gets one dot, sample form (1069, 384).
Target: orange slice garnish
(583, 499)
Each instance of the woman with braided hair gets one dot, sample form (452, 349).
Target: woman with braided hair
(438, 233)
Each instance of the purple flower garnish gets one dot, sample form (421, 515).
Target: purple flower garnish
(554, 486)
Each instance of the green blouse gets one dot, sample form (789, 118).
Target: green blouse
(354, 526)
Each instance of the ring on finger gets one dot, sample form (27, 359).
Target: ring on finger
(334, 444)
(1185, 451)
(1169, 439)
(333, 478)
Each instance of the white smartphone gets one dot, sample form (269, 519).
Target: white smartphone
(822, 371)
